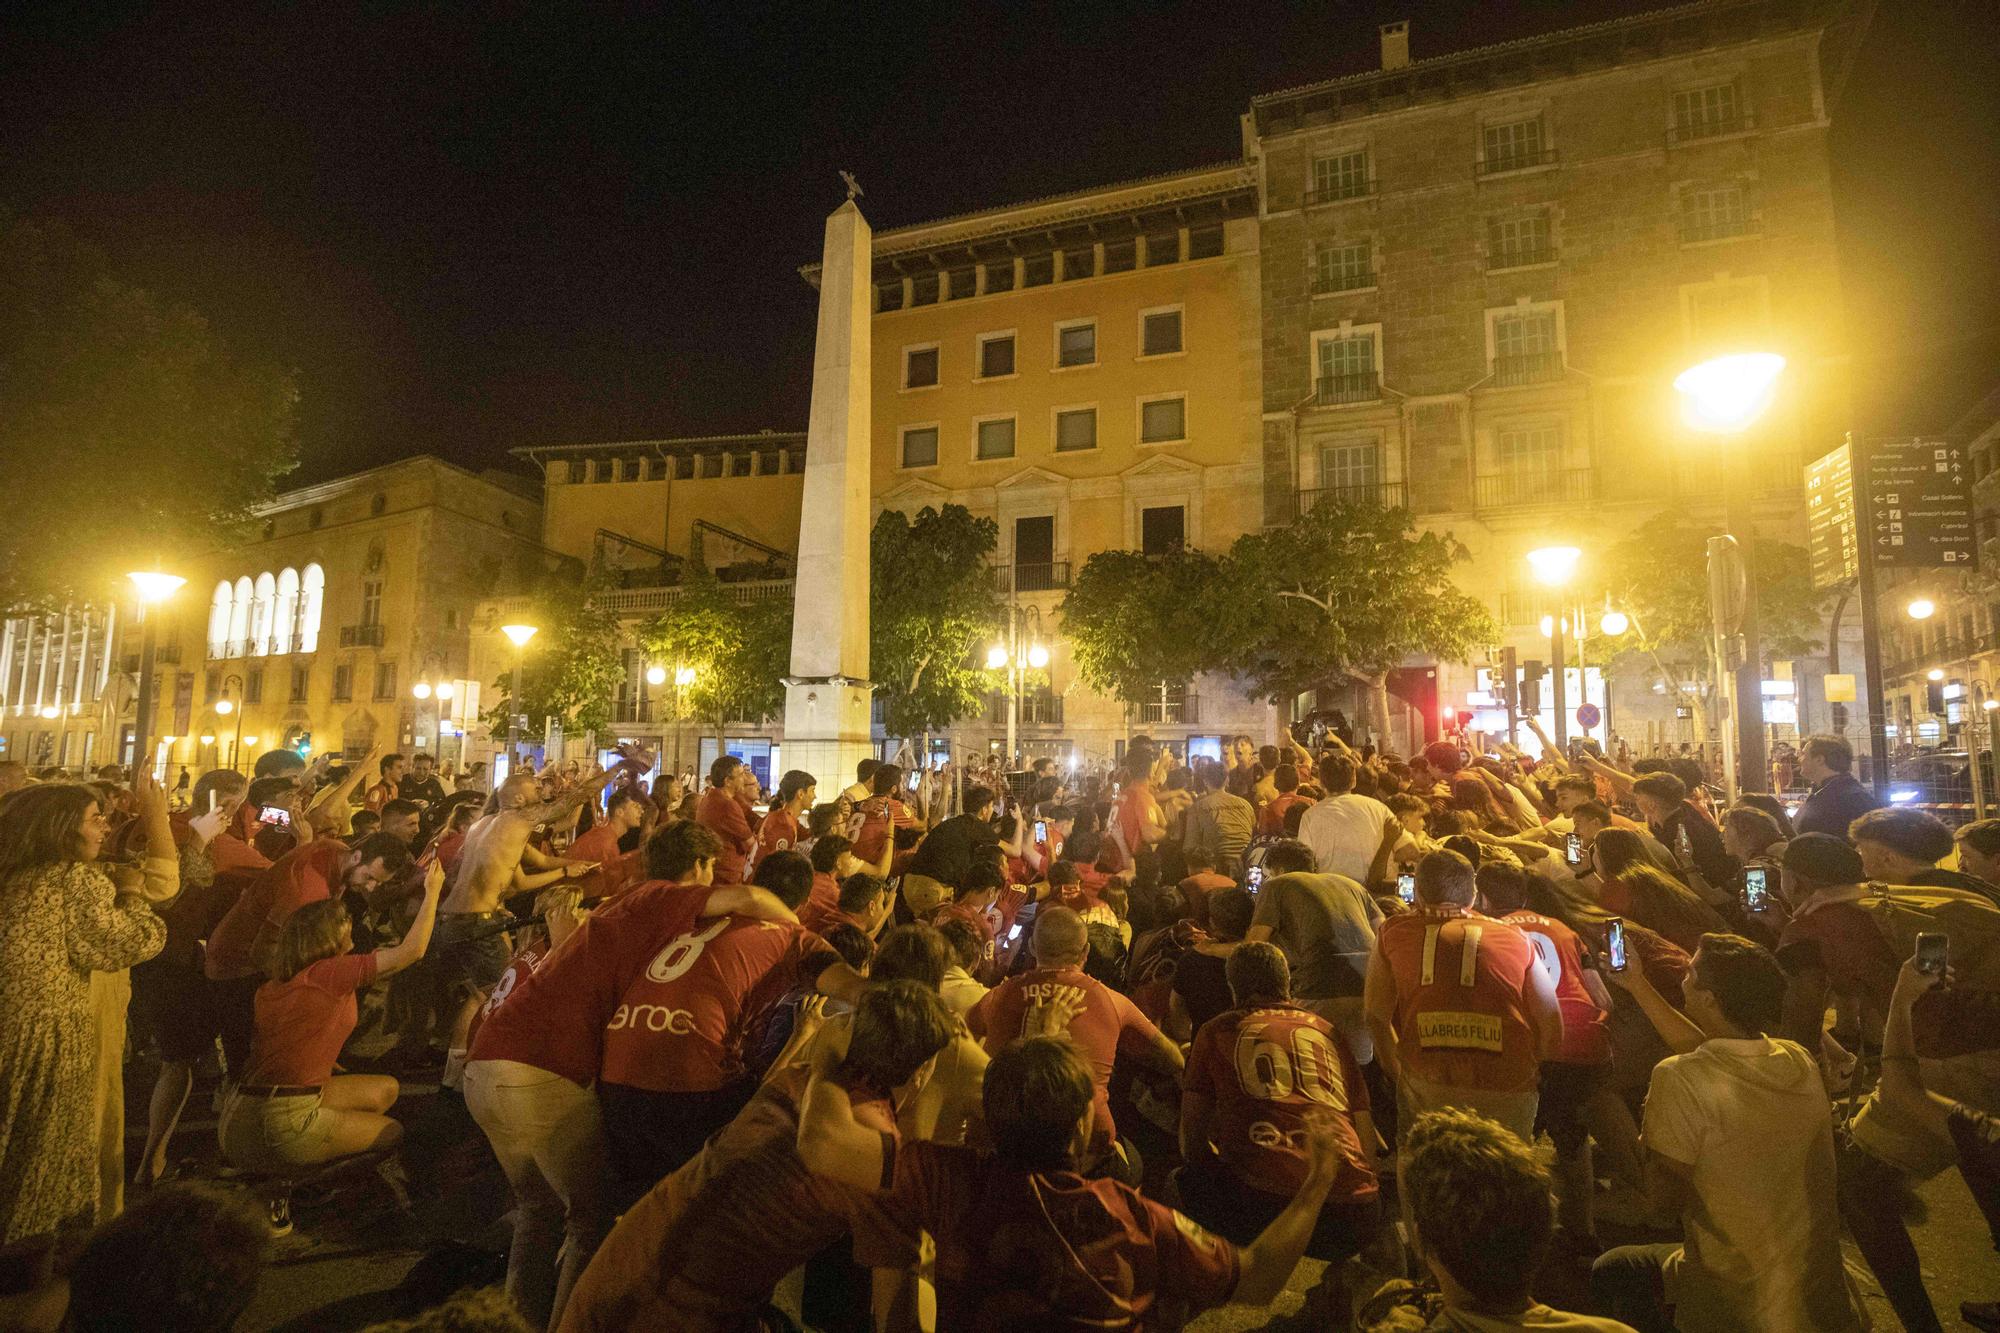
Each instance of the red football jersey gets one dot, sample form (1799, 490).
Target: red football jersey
(1461, 1013)
(1585, 1039)
(1108, 1020)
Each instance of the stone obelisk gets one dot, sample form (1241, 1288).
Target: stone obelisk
(827, 693)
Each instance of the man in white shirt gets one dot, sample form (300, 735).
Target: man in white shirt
(1344, 830)
(1739, 1140)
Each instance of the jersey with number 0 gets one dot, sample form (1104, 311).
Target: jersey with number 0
(1267, 1069)
(525, 962)
(682, 1023)
(1461, 984)
(1585, 1039)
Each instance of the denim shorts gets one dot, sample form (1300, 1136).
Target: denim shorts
(261, 1133)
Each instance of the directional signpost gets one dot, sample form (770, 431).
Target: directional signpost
(1919, 505)
(1831, 538)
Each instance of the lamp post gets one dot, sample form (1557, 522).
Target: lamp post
(1724, 397)
(1013, 655)
(1554, 567)
(153, 589)
(424, 693)
(518, 635)
(225, 707)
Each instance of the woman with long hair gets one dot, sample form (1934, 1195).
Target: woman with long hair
(291, 1109)
(1631, 885)
(62, 918)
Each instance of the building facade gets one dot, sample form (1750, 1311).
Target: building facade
(345, 619)
(63, 685)
(1482, 273)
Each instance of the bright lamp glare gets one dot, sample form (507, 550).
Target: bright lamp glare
(656, 675)
(249, 740)
(1553, 565)
(1935, 673)
(225, 707)
(1548, 626)
(1730, 392)
(996, 657)
(1923, 608)
(1615, 623)
(208, 740)
(520, 634)
(51, 712)
(1989, 704)
(422, 689)
(153, 586)
(445, 690)
(684, 675)
(1038, 656)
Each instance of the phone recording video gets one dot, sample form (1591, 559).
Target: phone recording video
(1614, 943)
(1406, 886)
(1756, 892)
(1573, 850)
(1933, 953)
(1253, 878)
(1014, 934)
(1041, 830)
(275, 814)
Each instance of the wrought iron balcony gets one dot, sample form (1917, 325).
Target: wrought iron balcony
(1336, 283)
(1541, 486)
(362, 636)
(1048, 576)
(1336, 390)
(1333, 194)
(1527, 368)
(1381, 494)
(1520, 258)
(1037, 710)
(1184, 710)
(1694, 131)
(1493, 166)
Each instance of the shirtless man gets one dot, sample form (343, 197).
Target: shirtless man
(468, 949)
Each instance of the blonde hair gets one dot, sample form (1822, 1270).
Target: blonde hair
(311, 933)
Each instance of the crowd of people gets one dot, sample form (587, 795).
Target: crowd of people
(981, 1049)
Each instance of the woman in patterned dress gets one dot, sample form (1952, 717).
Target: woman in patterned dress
(62, 917)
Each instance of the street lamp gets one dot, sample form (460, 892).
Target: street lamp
(1922, 608)
(153, 588)
(518, 635)
(656, 675)
(1554, 567)
(1727, 394)
(225, 706)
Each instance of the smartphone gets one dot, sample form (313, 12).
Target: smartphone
(1406, 886)
(275, 814)
(211, 800)
(1756, 893)
(1614, 943)
(1933, 952)
(1253, 878)
(1573, 850)
(1013, 934)
(1041, 830)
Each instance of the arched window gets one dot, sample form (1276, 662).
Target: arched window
(239, 617)
(312, 588)
(260, 614)
(285, 617)
(218, 619)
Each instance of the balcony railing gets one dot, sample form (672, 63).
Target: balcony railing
(167, 654)
(1527, 368)
(1184, 710)
(1333, 194)
(1502, 490)
(1520, 258)
(1047, 576)
(1493, 166)
(362, 636)
(1337, 283)
(647, 601)
(1334, 390)
(1694, 131)
(1037, 710)
(1695, 233)
(1381, 494)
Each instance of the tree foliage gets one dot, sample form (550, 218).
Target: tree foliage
(575, 662)
(1348, 590)
(932, 607)
(128, 435)
(740, 651)
(1134, 620)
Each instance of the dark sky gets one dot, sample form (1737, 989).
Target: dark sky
(538, 224)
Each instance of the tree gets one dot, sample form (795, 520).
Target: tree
(1348, 590)
(739, 651)
(125, 426)
(575, 662)
(1659, 577)
(1134, 621)
(932, 606)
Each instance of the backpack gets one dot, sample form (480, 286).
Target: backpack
(1969, 920)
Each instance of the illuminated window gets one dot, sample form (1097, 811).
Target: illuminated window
(312, 589)
(260, 614)
(285, 616)
(219, 612)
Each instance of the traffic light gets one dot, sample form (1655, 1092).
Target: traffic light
(1532, 672)
(1840, 717)
(1934, 697)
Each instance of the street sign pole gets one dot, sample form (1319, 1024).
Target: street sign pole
(1871, 643)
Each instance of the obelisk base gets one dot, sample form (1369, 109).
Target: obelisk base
(828, 730)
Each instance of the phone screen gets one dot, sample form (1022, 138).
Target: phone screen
(1755, 893)
(211, 800)
(1254, 878)
(1614, 944)
(1041, 830)
(1406, 886)
(275, 814)
(1933, 951)
(1573, 850)
(1013, 934)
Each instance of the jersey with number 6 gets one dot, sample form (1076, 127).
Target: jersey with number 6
(1267, 1068)
(1585, 1039)
(1461, 984)
(682, 1022)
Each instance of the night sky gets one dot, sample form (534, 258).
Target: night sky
(470, 232)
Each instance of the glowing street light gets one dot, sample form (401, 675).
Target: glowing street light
(152, 587)
(519, 636)
(656, 675)
(996, 657)
(1554, 566)
(208, 738)
(1922, 608)
(1935, 673)
(422, 689)
(51, 712)
(1038, 656)
(224, 707)
(1615, 623)
(445, 689)
(249, 740)
(685, 675)
(1725, 395)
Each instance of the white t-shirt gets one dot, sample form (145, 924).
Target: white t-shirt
(1344, 832)
(1762, 1251)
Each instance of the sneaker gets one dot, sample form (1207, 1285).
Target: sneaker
(281, 1217)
